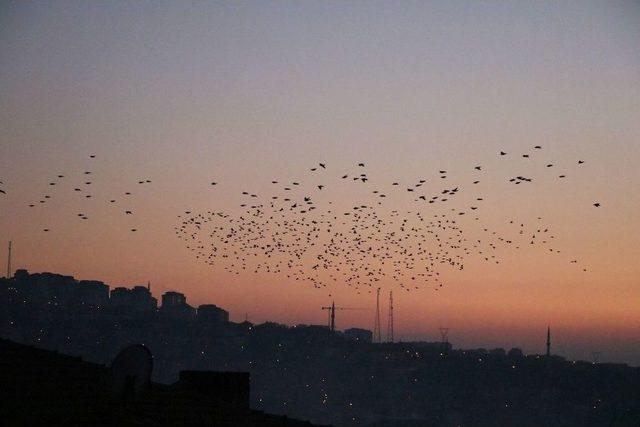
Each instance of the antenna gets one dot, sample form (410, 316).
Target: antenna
(390, 321)
(376, 330)
(548, 341)
(9, 262)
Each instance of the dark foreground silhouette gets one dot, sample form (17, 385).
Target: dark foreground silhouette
(305, 372)
(40, 387)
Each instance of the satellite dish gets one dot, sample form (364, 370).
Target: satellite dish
(131, 372)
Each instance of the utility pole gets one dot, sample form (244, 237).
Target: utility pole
(390, 321)
(9, 262)
(376, 329)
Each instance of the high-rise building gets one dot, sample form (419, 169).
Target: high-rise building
(174, 305)
(211, 313)
(136, 300)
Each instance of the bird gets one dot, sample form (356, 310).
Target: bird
(322, 165)
(478, 168)
(502, 153)
(361, 165)
(597, 205)
(538, 147)
(128, 212)
(580, 162)
(214, 183)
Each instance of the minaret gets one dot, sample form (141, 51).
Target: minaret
(333, 316)
(548, 341)
(149, 285)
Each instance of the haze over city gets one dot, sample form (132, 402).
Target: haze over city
(244, 94)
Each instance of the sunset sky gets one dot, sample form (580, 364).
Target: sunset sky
(242, 93)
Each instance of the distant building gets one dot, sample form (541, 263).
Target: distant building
(92, 293)
(173, 299)
(174, 306)
(56, 290)
(136, 300)
(359, 334)
(211, 313)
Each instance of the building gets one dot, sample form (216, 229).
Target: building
(137, 300)
(359, 334)
(211, 313)
(174, 306)
(92, 294)
(173, 299)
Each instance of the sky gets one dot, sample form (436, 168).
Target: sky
(242, 93)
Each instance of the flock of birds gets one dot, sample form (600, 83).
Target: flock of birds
(81, 185)
(297, 231)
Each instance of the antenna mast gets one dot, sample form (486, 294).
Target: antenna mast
(390, 321)
(9, 262)
(376, 330)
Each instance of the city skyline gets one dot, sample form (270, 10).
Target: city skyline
(243, 94)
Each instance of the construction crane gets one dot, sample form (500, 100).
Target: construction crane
(331, 323)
